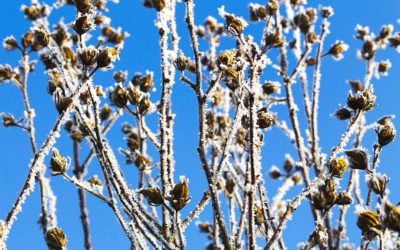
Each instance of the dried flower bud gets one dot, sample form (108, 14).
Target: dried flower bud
(120, 76)
(60, 35)
(158, 4)
(383, 67)
(385, 32)
(364, 100)
(9, 43)
(226, 58)
(343, 114)
(392, 216)
(69, 55)
(144, 105)
(233, 25)
(146, 82)
(395, 41)
(82, 25)
(356, 85)
(42, 37)
(6, 73)
(368, 50)
(142, 162)
(95, 181)
(358, 158)
(303, 22)
(230, 72)
(133, 95)
(326, 12)
(274, 173)
(310, 61)
(274, 39)
(265, 120)
(337, 167)
(119, 97)
(362, 32)
(368, 222)
(8, 120)
(56, 239)
(105, 112)
(181, 62)
(386, 133)
(48, 61)
(257, 12)
(153, 196)
(229, 184)
(200, 32)
(288, 164)
(107, 57)
(337, 49)
(377, 183)
(270, 88)
(88, 56)
(272, 7)
(58, 164)
(312, 37)
(83, 6)
(28, 39)
(32, 12)
(344, 199)
(180, 195)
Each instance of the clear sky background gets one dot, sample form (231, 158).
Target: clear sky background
(142, 52)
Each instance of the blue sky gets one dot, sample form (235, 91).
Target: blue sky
(142, 52)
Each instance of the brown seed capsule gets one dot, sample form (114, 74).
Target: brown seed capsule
(153, 196)
(60, 35)
(383, 67)
(272, 7)
(105, 112)
(385, 32)
(361, 32)
(9, 43)
(62, 103)
(270, 88)
(358, 158)
(6, 73)
(8, 120)
(385, 133)
(144, 105)
(274, 39)
(364, 100)
(28, 39)
(312, 37)
(181, 62)
(395, 40)
(368, 50)
(344, 199)
(200, 31)
(133, 142)
(303, 22)
(146, 83)
(142, 162)
(368, 222)
(56, 239)
(274, 173)
(159, 5)
(95, 181)
(392, 216)
(337, 49)
(83, 6)
(356, 85)
(82, 25)
(133, 95)
(377, 183)
(288, 164)
(107, 57)
(32, 12)
(265, 120)
(88, 56)
(210, 24)
(258, 216)
(343, 114)
(179, 195)
(42, 37)
(226, 58)
(229, 184)
(230, 72)
(233, 25)
(120, 76)
(310, 61)
(119, 97)
(69, 55)
(337, 167)
(326, 12)
(58, 164)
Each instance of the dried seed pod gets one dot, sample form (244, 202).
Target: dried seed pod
(6, 73)
(69, 55)
(107, 57)
(303, 22)
(42, 37)
(144, 105)
(272, 7)
(274, 173)
(153, 196)
(395, 41)
(337, 49)
(8, 120)
(344, 199)
(105, 112)
(88, 56)
(386, 133)
(133, 142)
(82, 25)
(62, 103)
(288, 164)
(58, 164)
(159, 5)
(179, 195)
(142, 162)
(385, 32)
(226, 58)
(364, 100)
(361, 32)
(119, 97)
(312, 37)
(28, 39)
(258, 216)
(326, 12)
(337, 167)
(392, 217)
(383, 67)
(146, 83)
(368, 222)
(270, 88)
(83, 6)
(231, 72)
(356, 85)
(120, 76)
(358, 158)
(368, 50)
(60, 35)
(181, 62)
(10, 43)
(95, 181)
(265, 120)
(343, 114)
(56, 239)
(229, 184)
(377, 183)
(133, 95)
(274, 39)
(233, 25)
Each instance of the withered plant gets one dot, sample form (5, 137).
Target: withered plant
(236, 109)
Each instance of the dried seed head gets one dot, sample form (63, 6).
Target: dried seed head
(356, 85)
(181, 62)
(8, 120)
(395, 41)
(377, 183)
(274, 39)
(159, 5)
(288, 164)
(337, 49)
(107, 57)
(265, 120)
(48, 62)
(303, 21)
(326, 12)
(60, 35)
(133, 95)
(153, 196)
(9, 43)
(337, 167)
(274, 173)
(230, 72)
(69, 55)
(343, 114)
(368, 50)
(62, 103)
(119, 97)
(272, 7)
(144, 105)
(257, 12)
(88, 56)
(386, 133)
(82, 25)
(344, 199)
(42, 37)
(362, 32)
(226, 58)
(383, 67)
(385, 32)
(310, 61)
(28, 39)
(6, 73)
(229, 184)
(56, 239)
(120, 76)
(95, 181)
(58, 164)
(233, 25)
(364, 100)
(179, 195)
(270, 88)
(392, 216)
(312, 37)
(142, 162)
(146, 82)
(133, 142)
(295, 3)
(35, 11)
(83, 6)
(358, 158)
(368, 222)
(105, 112)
